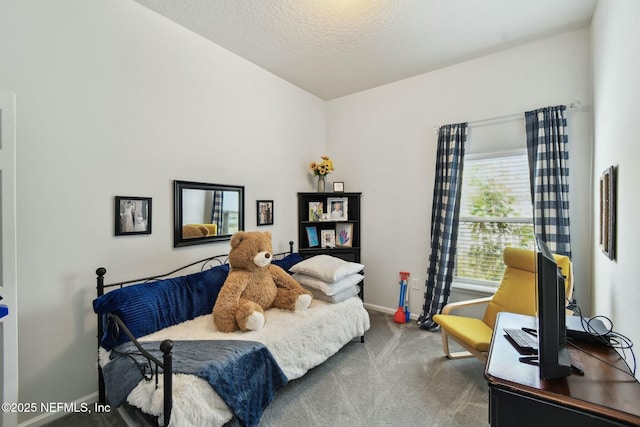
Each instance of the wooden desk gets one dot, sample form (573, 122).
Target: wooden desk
(604, 396)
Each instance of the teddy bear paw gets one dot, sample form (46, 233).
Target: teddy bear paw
(303, 301)
(255, 322)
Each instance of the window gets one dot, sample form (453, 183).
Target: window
(495, 212)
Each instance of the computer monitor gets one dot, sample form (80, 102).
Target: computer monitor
(553, 356)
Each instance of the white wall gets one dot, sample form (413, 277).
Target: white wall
(616, 67)
(113, 99)
(384, 144)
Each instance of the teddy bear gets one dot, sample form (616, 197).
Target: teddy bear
(254, 285)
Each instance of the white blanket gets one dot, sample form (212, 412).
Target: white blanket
(298, 342)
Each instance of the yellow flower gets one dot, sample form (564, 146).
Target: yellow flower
(322, 168)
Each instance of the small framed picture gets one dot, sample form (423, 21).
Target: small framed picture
(312, 236)
(338, 187)
(328, 238)
(344, 235)
(264, 209)
(608, 212)
(315, 211)
(338, 208)
(132, 215)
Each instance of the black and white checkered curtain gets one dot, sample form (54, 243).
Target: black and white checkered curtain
(549, 173)
(216, 210)
(444, 221)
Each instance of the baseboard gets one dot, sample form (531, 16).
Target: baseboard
(47, 417)
(387, 310)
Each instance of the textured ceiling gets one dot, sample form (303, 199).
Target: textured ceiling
(333, 48)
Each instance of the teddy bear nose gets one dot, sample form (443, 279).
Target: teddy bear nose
(267, 255)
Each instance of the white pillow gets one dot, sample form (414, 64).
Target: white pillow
(326, 267)
(326, 287)
(339, 297)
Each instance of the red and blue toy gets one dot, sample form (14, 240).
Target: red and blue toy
(402, 313)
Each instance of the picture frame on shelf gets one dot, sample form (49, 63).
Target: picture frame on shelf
(344, 235)
(338, 208)
(312, 236)
(328, 238)
(132, 215)
(315, 211)
(338, 187)
(264, 209)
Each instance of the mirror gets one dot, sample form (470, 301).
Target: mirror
(205, 213)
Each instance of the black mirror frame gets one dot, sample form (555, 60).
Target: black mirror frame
(178, 186)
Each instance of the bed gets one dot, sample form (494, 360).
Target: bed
(160, 352)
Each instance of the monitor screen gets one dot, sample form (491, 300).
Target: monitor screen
(553, 356)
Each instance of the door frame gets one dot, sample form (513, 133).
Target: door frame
(8, 266)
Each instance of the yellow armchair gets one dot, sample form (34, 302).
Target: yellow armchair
(516, 294)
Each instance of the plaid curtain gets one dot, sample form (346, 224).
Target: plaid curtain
(216, 211)
(444, 221)
(548, 170)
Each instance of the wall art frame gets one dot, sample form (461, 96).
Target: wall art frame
(608, 189)
(132, 215)
(264, 209)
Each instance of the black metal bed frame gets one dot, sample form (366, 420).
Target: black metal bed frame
(166, 346)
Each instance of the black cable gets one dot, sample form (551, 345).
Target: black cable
(612, 339)
(627, 372)
(603, 338)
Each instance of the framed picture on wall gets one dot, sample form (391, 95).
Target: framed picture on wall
(132, 215)
(608, 212)
(264, 209)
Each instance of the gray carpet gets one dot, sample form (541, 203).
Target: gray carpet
(397, 377)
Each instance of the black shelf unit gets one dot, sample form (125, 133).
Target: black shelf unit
(351, 253)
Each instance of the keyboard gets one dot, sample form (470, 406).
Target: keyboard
(525, 342)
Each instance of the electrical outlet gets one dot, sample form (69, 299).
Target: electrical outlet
(414, 284)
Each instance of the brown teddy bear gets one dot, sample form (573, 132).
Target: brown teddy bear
(254, 285)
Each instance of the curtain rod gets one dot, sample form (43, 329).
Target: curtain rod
(508, 117)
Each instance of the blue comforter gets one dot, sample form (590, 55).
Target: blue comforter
(243, 373)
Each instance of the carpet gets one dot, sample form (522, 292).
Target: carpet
(398, 377)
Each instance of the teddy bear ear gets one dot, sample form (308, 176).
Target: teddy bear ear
(268, 234)
(237, 238)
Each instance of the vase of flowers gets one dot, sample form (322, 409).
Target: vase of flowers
(321, 170)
